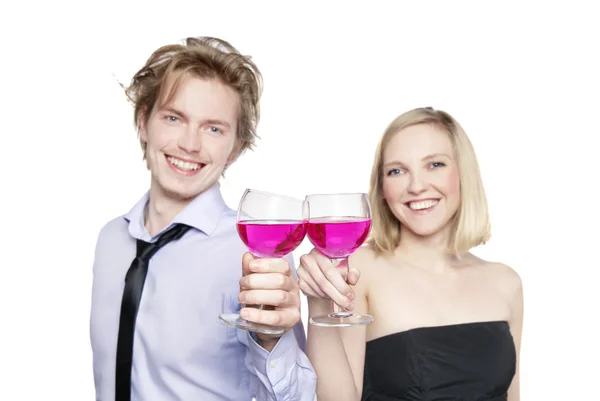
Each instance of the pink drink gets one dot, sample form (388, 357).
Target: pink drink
(338, 237)
(271, 238)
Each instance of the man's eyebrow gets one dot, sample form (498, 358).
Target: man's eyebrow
(218, 122)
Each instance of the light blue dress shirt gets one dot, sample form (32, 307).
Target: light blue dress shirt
(181, 351)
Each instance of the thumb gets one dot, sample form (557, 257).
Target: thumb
(353, 276)
(246, 259)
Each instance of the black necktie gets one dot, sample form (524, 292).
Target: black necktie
(134, 284)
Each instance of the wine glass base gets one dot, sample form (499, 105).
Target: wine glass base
(341, 319)
(234, 320)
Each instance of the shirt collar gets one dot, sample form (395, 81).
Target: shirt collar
(202, 213)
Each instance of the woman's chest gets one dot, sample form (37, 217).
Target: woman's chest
(402, 300)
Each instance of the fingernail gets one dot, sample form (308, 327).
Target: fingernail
(351, 295)
(253, 266)
(243, 281)
(242, 297)
(244, 314)
(350, 306)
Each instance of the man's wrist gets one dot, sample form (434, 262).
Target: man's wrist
(267, 341)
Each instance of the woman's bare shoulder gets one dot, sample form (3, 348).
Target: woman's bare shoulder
(504, 275)
(368, 262)
(366, 256)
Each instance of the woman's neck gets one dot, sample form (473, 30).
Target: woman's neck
(426, 252)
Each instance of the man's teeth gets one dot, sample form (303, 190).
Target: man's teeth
(426, 204)
(183, 165)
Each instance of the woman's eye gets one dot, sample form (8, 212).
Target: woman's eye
(394, 171)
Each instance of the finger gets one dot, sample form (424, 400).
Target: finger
(270, 265)
(267, 281)
(280, 318)
(353, 276)
(306, 289)
(308, 285)
(314, 269)
(309, 292)
(246, 259)
(335, 274)
(276, 298)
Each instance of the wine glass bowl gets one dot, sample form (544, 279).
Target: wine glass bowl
(338, 237)
(271, 239)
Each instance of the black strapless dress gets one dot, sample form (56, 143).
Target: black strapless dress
(467, 362)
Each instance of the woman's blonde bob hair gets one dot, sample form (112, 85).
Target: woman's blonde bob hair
(470, 226)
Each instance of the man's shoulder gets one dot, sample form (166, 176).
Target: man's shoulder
(111, 241)
(113, 228)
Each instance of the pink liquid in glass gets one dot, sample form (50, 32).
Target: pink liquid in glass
(338, 237)
(271, 238)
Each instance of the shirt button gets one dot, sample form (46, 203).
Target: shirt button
(273, 364)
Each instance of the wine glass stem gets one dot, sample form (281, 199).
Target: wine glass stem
(259, 307)
(337, 311)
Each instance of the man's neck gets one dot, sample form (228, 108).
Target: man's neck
(161, 210)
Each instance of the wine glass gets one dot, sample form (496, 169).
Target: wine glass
(338, 225)
(271, 226)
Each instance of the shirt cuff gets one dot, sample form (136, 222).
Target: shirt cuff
(276, 364)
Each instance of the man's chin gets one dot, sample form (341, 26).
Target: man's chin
(179, 192)
(186, 194)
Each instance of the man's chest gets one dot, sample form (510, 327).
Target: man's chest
(188, 284)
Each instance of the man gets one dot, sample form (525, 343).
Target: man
(167, 269)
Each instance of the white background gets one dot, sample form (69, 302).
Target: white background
(522, 79)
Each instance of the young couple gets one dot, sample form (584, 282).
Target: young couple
(447, 324)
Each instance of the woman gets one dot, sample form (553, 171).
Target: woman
(447, 323)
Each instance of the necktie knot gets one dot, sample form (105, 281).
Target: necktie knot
(145, 250)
